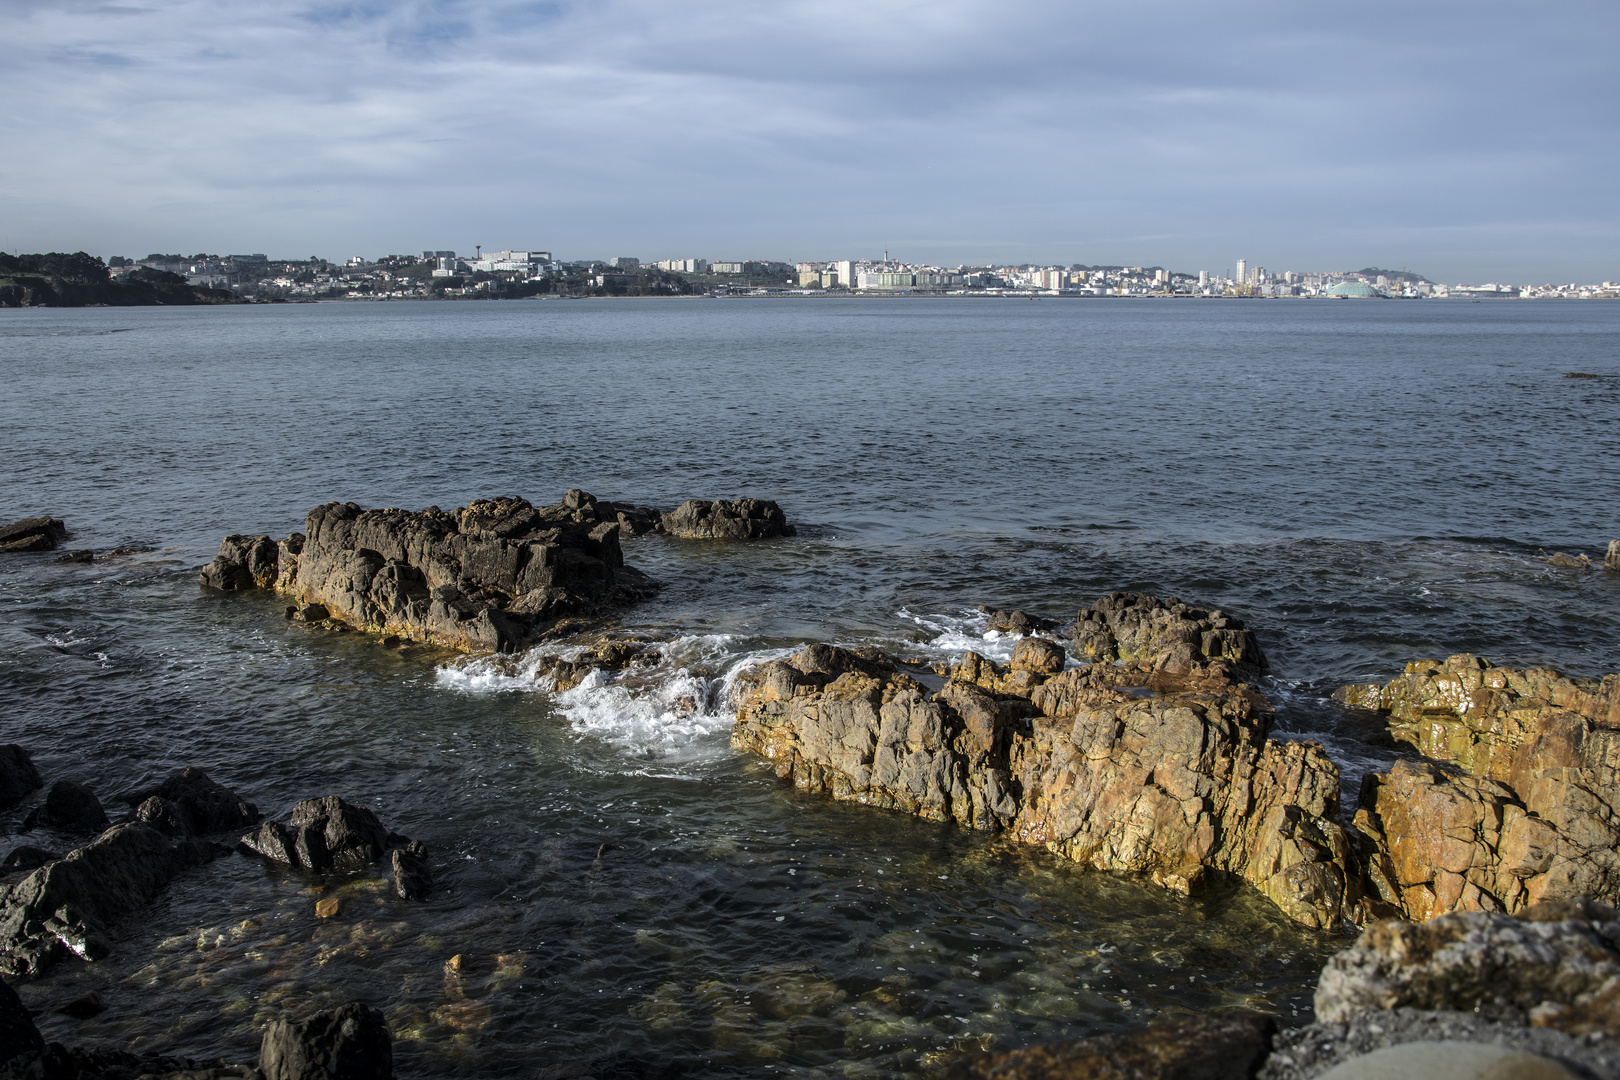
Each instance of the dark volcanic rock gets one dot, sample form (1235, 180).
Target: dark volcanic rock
(18, 1035)
(1016, 622)
(1220, 1046)
(1167, 634)
(413, 877)
(744, 519)
(26, 857)
(323, 834)
(243, 562)
(350, 1042)
(188, 803)
(68, 805)
(70, 903)
(32, 534)
(18, 776)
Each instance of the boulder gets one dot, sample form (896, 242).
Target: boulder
(1018, 623)
(486, 577)
(350, 1042)
(18, 776)
(413, 876)
(1558, 964)
(18, 1035)
(188, 803)
(69, 905)
(1217, 1046)
(1167, 634)
(68, 805)
(1518, 800)
(323, 834)
(743, 519)
(1172, 786)
(32, 534)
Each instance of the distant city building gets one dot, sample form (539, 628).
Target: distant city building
(684, 266)
(624, 262)
(1242, 272)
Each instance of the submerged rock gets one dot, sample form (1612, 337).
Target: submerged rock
(743, 519)
(1220, 1046)
(188, 803)
(323, 834)
(1523, 805)
(350, 1042)
(32, 534)
(68, 805)
(1172, 785)
(69, 905)
(1167, 634)
(413, 876)
(18, 776)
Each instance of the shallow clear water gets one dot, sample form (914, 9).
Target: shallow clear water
(1362, 483)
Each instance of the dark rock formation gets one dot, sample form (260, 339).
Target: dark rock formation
(1525, 805)
(1173, 785)
(32, 534)
(26, 857)
(1167, 634)
(69, 904)
(18, 776)
(1221, 1046)
(323, 834)
(190, 804)
(481, 578)
(350, 1042)
(744, 519)
(1017, 622)
(76, 557)
(18, 1035)
(68, 805)
(413, 876)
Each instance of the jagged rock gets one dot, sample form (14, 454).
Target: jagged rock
(484, 577)
(1611, 561)
(1016, 622)
(1168, 634)
(609, 652)
(18, 776)
(189, 803)
(32, 534)
(69, 904)
(323, 834)
(350, 1042)
(76, 557)
(68, 805)
(744, 519)
(1558, 963)
(1171, 786)
(1038, 655)
(26, 857)
(413, 876)
(18, 1035)
(1218, 1046)
(1533, 812)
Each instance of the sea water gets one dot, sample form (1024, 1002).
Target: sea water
(1364, 483)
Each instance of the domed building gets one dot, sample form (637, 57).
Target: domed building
(1355, 290)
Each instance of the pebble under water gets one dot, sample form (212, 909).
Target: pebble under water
(1362, 483)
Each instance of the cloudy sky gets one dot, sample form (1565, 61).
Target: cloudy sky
(1470, 141)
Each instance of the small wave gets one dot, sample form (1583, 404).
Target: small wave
(966, 630)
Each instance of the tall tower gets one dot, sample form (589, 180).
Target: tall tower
(1243, 272)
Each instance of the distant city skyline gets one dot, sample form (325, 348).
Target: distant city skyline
(1469, 142)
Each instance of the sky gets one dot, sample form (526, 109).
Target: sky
(1469, 141)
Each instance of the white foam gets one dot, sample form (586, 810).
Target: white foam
(966, 630)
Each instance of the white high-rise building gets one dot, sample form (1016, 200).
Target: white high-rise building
(1243, 272)
(1203, 278)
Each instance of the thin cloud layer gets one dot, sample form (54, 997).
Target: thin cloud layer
(1465, 140)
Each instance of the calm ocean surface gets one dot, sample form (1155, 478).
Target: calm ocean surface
(1362, 483)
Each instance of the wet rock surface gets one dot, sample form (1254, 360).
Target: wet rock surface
(350, 1042)
(1222, 1046)
(18, 774)
(1517, 800)
(18, 1035)
(1165, 633)
(325, 834)
(740, 519)
(32, 534)
(190, 804)
(71, 904)
(1174, 784)
(70, 806)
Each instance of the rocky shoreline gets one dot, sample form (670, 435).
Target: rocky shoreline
(1479, 867)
